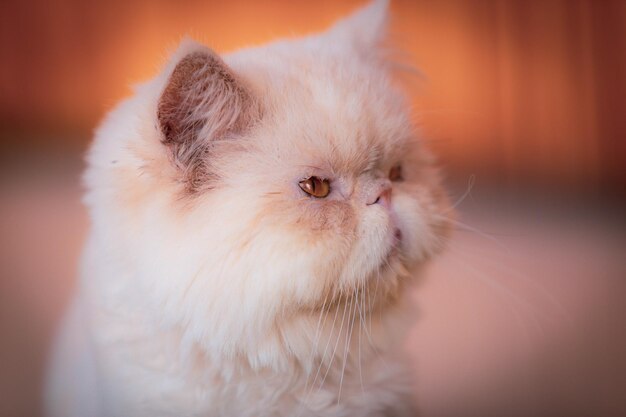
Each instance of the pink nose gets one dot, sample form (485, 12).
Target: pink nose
(382, 196)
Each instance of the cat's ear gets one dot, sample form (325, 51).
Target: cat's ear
(366, 28)
(202, 101)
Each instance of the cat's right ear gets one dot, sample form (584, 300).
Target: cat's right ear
(203, 101)
(365, 29)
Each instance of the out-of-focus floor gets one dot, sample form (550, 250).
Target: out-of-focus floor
(522, 317)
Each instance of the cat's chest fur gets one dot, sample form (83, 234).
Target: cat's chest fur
(373, 388)
(125, 366)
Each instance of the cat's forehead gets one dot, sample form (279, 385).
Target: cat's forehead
(332, 110)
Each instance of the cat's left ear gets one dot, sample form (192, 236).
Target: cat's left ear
(364, 29)
(203, 101)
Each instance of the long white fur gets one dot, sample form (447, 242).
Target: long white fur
(240, 301)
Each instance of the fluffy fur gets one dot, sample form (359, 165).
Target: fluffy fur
(211, 284)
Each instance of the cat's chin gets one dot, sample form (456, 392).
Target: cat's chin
(383, 287)
(378, 304)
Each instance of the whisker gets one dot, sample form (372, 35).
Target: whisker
(347, 344)
(319, 368)
(503, 289)
(470, 185)
(549, 296)
(368, 333)
(494, 283)
(462, 226)
(361, 301)
(332, 357)
(318, 331)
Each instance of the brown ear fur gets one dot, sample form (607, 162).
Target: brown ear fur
(202, 102)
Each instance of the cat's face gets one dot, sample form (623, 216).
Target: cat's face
(276, 184)
(335, 183)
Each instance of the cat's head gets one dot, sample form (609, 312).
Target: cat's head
(245, 194)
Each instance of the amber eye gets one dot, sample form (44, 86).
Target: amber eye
(395, 173)
(315, 186)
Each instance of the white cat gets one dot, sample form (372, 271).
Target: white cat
(256, 220)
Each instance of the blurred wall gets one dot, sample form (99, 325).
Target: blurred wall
(517, 90)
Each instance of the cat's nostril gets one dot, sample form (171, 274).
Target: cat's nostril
(383, 198)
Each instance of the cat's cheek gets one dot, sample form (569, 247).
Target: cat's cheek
(418, 239)
(315, 238)
(335, 217)
(370, 247)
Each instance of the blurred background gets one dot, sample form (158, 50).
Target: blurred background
(524, 102)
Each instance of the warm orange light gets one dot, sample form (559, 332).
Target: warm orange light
(512, 89)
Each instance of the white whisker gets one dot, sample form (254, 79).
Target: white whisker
(543, 291)
(468, 192)
(462, 226)
(319, 368)
(361, 307)
(502, 289)
(347, 344)
(318, 332)
(332, 356)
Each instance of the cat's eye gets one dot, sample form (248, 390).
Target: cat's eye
(315, 186)
(395, 173)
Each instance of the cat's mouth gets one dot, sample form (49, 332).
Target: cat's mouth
(393, 254)
(397, 235)
(395, 245)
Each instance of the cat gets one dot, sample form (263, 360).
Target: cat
(256, 221)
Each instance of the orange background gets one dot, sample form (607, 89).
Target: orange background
(522, 315)
(514, 91)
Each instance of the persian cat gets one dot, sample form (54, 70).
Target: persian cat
(256, 221)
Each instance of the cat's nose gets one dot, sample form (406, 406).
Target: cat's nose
(381, 195)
